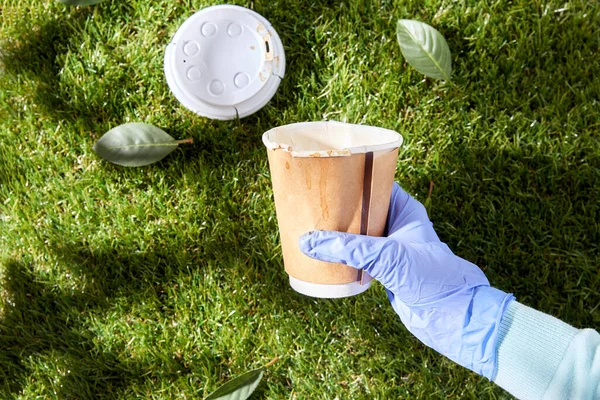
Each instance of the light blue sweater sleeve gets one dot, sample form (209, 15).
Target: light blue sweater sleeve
(541, 357)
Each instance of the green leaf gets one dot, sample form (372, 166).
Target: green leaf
(80, 2)
(135, 145)
(425, 49)
(239, 388)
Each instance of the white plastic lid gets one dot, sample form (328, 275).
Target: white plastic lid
(328, 291)
(225, 61)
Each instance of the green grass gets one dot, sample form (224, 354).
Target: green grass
(165, 281)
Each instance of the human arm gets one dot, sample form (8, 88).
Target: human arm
(448, 304)
(541, 357)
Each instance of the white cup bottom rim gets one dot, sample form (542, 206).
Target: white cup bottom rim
(328, 291)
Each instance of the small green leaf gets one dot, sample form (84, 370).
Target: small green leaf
(80, 2)
(239, 388)
(135, 144)
(425, 49)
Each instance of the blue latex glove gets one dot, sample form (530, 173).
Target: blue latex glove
(445, 301)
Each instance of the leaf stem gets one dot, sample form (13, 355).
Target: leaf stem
(431, 184)
(273, 361)
(189, 140)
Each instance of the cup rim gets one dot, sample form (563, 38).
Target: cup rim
(343, 152)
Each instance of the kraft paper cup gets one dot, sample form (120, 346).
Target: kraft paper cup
(329, 176)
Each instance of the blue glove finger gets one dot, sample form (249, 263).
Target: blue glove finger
(380, 257)
(356, 251)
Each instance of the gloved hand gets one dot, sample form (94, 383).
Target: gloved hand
(445, 301)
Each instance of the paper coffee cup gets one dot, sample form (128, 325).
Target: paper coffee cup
(329, 176)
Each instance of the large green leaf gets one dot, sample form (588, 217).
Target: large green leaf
(239, 388)
(80, 2)
(425, 49)
(135, 144)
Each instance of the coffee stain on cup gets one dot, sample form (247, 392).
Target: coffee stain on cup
(308, 178)
(323, 190)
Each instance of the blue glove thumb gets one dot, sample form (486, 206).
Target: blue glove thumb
(393, 263)
(444, 300)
